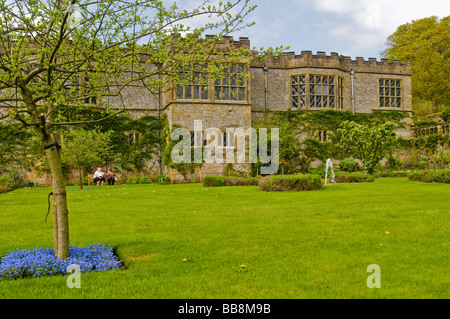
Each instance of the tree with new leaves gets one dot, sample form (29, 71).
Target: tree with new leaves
(57, 55)
(425, 43)
(86, 148)
(368, 144)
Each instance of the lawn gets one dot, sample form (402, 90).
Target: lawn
(294, 245)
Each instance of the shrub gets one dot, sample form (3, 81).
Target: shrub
(4, 189)
(439, 176)
(144, 180)
(395, 162)
(15, 179)
(253, 181)
(394, 174)
(217, 181)
(213, 181)
(341, 177)
(85, 180)
(163, 179)
(285, 183)
(133, 180)
(349, 165)
(123, 180)
(4, 180)
(424, 163)
(318, 171)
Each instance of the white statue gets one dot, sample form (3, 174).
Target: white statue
(329, 164)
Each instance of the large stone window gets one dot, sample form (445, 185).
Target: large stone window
(316, 92)
(232, 86)
(193, 84)
(299, 91)
(390, 93)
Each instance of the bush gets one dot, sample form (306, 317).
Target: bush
(439, 176)
(163, 179)
(136, 180)
(213, 181)
(133, 180)
(217, 181)
(394, 174)
(349, 165)
(395, 162)
(286, 183)
(13, 181)
(123, 180)
(16, 180)
(4, 180)
(341, 177)
(144, 180)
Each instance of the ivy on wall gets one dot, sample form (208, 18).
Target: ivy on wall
(292, 125)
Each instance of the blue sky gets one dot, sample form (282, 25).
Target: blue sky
(356, 28)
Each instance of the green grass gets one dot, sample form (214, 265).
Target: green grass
(294, 245)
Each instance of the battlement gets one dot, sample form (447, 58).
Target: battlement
(229, 43)
(306, 59)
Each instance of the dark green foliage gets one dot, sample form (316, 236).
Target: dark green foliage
(344, 177)
(163, 179)
(296, 156)
(349, 165)
(15, 145)
(213, 181)
(431, 176)
(137, 180)
(128, 156)
(445, 115)
(12, 181)
(288, 183)
(320, 150)
(218, 181)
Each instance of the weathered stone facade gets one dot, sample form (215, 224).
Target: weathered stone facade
(358, 86)
(288, 82)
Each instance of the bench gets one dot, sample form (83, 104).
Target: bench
(91, 179)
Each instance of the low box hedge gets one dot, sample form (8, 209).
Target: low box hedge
(432, 176)
(218, 181)
(342, 177)
(287, 183)
(213, 181)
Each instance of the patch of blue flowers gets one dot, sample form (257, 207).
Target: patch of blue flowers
(39, 262)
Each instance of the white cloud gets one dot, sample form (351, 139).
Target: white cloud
(365, 24)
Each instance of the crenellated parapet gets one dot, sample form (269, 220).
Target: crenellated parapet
(229, 44)
(306, 59)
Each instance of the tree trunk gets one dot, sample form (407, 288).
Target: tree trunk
(60, 212)
(81, 176)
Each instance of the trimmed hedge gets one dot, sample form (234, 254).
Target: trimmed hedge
(341, 177)
(218, 181)
(394, 174)
(439, 176)
(288, 183)
(213, 181)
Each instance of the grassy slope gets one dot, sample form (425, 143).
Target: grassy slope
(294, 245)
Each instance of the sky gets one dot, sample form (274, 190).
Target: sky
(355, 28)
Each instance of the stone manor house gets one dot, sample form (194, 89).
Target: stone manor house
(296, 82)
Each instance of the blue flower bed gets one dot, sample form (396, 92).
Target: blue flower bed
(39, 262)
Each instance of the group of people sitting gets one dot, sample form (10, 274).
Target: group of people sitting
(99, 177)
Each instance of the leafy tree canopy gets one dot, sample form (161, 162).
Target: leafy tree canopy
(425, 43)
